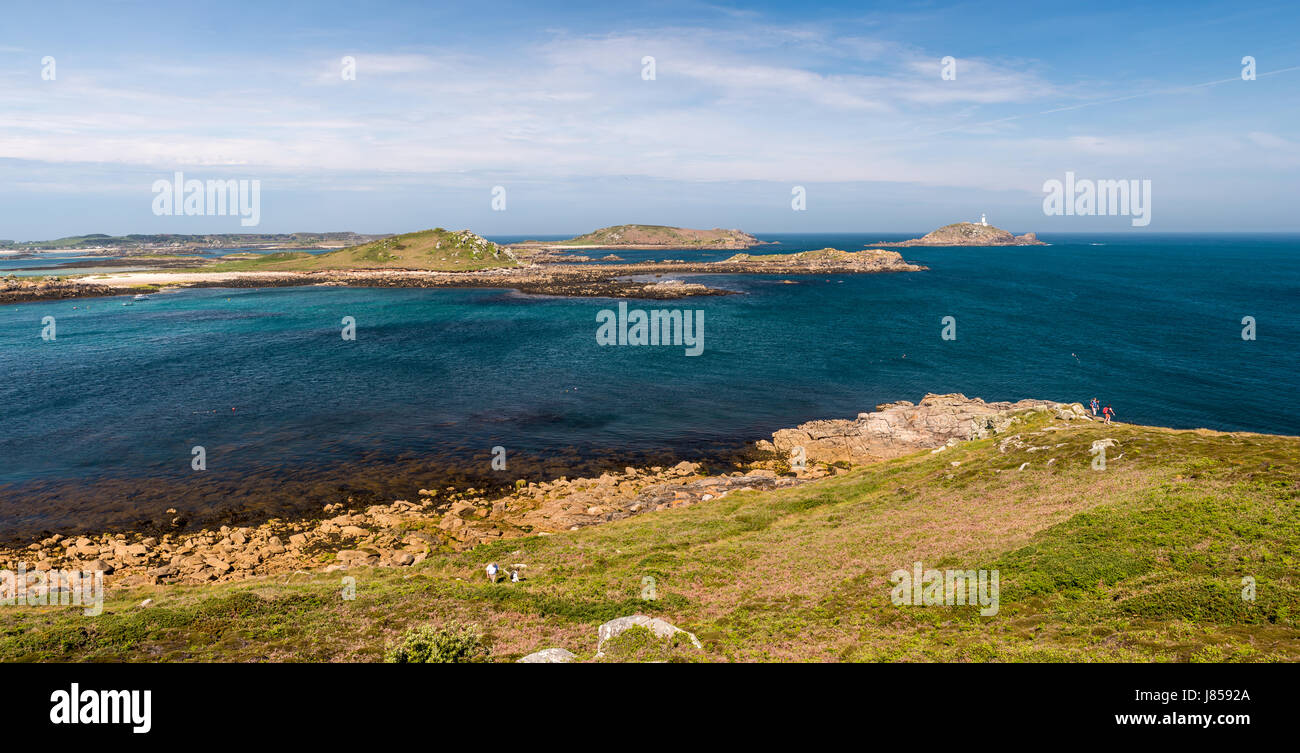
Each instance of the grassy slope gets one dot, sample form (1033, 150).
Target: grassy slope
(435, 249)
(1140, 562)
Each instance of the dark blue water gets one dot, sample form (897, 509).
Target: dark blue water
(94, 424)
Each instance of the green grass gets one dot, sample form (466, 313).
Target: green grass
(1143, 561)
(436, 249)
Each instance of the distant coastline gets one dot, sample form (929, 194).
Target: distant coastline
(452, 259)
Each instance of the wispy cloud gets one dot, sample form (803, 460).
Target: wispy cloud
(722, 106)
(747, 98)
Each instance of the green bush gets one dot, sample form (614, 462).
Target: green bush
(453, 643)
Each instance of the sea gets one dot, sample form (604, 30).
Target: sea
(105, 425)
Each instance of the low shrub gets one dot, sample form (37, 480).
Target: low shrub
(453, 643)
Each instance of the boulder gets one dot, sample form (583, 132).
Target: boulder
(357, 557)
(98, 565)
(549, 656)
(659, 627)
(219, 565)
(685, 468)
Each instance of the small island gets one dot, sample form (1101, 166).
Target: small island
(968, 234)
(655, 236)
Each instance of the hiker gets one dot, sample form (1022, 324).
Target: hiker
(1108, 412)
(492, 572)
(1094, 405)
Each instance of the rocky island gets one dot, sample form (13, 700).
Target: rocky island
(968, 234)
(655, 236)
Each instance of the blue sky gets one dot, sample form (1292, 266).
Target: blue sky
(450, 100)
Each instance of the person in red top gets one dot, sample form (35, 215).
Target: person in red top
(1108, 412)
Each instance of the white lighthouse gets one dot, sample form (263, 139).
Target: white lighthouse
(983, 220)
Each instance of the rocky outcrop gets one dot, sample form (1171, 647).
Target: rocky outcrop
(969, 234)
(549, 656)
(661, 628)
(571, 504)
(14, 289)
(900, 428)
(821, 261)
(608, 632)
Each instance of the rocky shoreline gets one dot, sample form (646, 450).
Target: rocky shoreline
(569, 280)
(403, 533)
(19, 290)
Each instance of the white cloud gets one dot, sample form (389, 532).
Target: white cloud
(761, 104)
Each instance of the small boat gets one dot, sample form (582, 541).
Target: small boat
(141, 297)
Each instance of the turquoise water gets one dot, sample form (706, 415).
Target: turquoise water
(39, 264)
(98, 425)
(46, 263)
